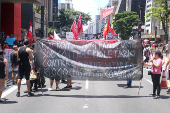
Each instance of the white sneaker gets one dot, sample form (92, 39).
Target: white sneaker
(50, 89)
(57, 89)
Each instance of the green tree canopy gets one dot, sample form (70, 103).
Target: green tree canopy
(161, 12)
(124, 22)
(67, 17)
(51, 30)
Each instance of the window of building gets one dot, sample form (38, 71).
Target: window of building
(148, 1)
(147, 25)
(68, 6)
(148, 5)
(147, 31)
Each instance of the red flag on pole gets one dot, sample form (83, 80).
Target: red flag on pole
(106, 29)
(75, 29)
(112, 31)
(29, 34)
(80, 26)
(51, 36)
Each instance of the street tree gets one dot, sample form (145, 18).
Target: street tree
(124, 22)
(67, 16)
(51, 30)
(160, 11)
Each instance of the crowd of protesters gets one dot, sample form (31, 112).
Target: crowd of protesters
(22, 63)
(153, 56)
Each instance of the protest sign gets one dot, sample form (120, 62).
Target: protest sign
(69, 35)
(10, 41)
(89, 59)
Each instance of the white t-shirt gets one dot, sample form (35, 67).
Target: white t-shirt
(166, 46)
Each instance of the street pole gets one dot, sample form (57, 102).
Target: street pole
(42, 21)
(0, 15)
(139, 23)
(169, 29)
(156, 34)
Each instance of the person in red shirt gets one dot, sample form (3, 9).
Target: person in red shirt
(6, 46)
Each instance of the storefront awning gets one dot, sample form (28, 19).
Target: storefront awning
(21, 1)
(150, 36)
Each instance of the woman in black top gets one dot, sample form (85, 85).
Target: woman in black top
(3, 76)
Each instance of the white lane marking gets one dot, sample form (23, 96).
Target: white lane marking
(4, 94)
(85, 106)
(87, 85)
(148, 81)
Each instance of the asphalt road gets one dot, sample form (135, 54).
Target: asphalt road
(88, 97)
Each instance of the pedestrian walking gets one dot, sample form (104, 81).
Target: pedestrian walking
(146, 54)
(24, 55)
(166, 49)
(168, 77)
(14, 64)
(156, 73)
(33, 81)
(3, 76)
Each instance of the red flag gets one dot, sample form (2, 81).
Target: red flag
(29, 34)
(51, 36)
(112, 31)
(80, 26)
(75, 29)
(106, 29)
(107, 12)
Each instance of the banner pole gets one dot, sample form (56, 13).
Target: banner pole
(139, 86)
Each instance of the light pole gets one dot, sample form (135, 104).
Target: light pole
(169, 29)
(140, 22)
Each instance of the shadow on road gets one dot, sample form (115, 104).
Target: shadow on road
(122, 85)
(9, 102)
(94, 96)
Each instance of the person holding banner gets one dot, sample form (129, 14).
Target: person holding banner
(3, 76)
(156, 73)
(14, 64)
(24, 55)
(51, 84)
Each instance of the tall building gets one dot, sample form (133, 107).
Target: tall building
(26, 18)
(151, 24)
(67, 4)
(37, 20)
(10, 17)
(96, 28)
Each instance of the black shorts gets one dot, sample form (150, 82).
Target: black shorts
(52, 78)
(24, 70)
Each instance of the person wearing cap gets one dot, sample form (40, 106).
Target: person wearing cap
(14, 64)
(156, 64)
(24, 56)
(3, 76)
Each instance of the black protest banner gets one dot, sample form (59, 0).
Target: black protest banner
(87, 59)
